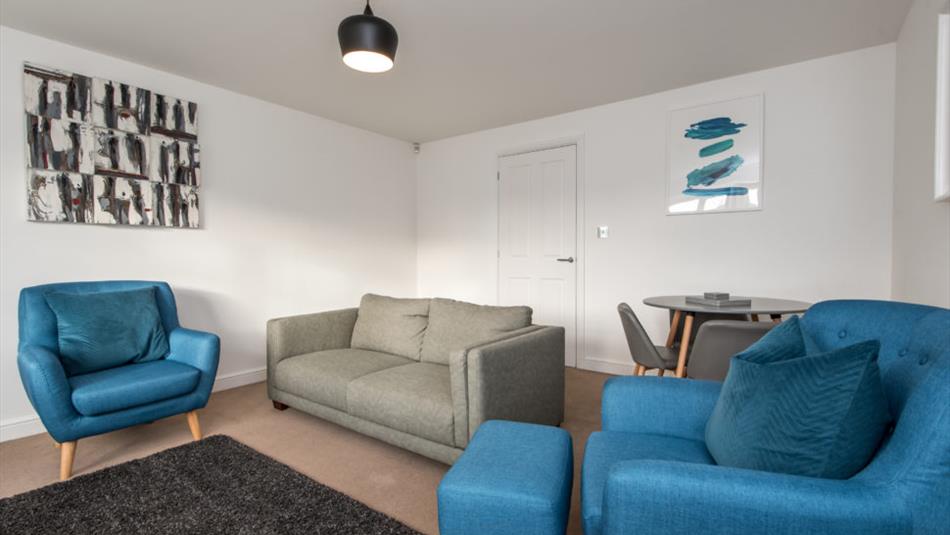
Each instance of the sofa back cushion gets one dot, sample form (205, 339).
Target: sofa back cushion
(102, 330)
(456, 325)
(391, 325)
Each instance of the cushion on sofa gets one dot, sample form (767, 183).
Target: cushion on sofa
(391, 325)
(415, 399)
(131, 385)
(604, 449)
(322, 376)
(456, 325)
(103, 330)
(785, 409)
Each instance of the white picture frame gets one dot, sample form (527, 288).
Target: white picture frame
(714, 157)
(942, 132)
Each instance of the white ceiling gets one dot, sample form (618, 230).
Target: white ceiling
(467, 65)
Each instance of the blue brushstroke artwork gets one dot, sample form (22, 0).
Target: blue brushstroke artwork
(709, 174)
(716, 192)
(713, 128)
(716, 148)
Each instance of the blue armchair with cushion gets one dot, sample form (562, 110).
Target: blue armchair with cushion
(649, 471)
(76, 405)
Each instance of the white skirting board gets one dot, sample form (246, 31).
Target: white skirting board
(13, 428)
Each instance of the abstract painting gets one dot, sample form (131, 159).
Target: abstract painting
(174, 161)
(106, 152)
(60, 196)
(58, 145)
(56, 94)
(121, 153)
(120, 106)
(715, 157)
(174, 116)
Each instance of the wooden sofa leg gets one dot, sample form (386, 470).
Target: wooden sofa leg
(193, 425)
(280, 406)
(67, 453)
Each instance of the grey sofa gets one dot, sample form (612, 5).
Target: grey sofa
(421, 374)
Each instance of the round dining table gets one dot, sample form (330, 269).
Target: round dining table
(775, 308)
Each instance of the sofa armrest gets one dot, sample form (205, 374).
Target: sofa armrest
(518, 377)
(199, 350)
(659, 405)
(296, 335)
(717, 499)
(47, 388)
(716, 343)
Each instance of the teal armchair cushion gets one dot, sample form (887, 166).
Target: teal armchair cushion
(788, 407)
(103, 330)
(131, 385)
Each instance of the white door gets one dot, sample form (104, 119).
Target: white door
(537, 237)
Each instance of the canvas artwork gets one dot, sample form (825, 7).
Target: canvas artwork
(715, 157)
(56, 94)
(60, 196)
(59, 145)
(105, 152)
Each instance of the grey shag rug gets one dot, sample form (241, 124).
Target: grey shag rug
(216, 485)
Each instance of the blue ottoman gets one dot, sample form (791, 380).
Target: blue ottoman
(513, 479)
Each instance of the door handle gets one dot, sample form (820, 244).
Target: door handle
(569, 260)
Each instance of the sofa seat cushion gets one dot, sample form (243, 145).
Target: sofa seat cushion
(131, 385)
(455, 325)
(391, 325)
(322, 376)
(415, 399)
(607, 448)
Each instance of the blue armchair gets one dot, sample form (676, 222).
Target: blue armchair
(648, 470)
(79, 406)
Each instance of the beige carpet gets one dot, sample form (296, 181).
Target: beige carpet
(391, 480)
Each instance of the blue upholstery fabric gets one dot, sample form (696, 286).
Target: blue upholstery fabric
(605, 449)
(513, 479)
(131, 385)
(819, 414)
(904, 489)
(47, 384)
(102, 330)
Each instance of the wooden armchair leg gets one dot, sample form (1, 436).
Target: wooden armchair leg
(280, 406)
(67, 453)
(194, 425)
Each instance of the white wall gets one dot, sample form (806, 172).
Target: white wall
(299, 214)
(921, 226)
(825, 231)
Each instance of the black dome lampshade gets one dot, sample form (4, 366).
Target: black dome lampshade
(368, 42)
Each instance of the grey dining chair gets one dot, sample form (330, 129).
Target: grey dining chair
(645, 354)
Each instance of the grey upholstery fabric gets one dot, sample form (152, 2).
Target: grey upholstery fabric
(502, 371)
(324, 375)
(717, 342)
(458, 375)
(642, 349)
(296, 335)
(415, 398)
(433, 450)
(456, 325)
(391, 325)
(520, 379)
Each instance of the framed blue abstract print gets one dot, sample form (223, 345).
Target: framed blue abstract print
(715, 157)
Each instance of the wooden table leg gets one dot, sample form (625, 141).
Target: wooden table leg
(674, 326)
(754, 317)
(777, 318)
(684, 345)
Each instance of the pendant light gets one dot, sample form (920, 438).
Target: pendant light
(368, 43)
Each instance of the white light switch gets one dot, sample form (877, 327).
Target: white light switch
(603, 232)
